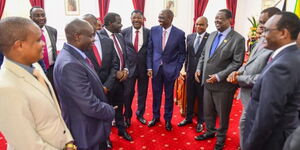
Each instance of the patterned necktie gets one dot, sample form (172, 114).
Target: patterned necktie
(136, 41)
(89, 62)
(215, 44)
(120, 53)
(197, 43)
(45, 49)
(164, 39)
(96, 53)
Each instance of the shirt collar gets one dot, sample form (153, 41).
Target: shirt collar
(78, 50)
(225, 32)
(168, 29)
(277, 51)
(202, 35)
(107, 31)
(134, 29)
(27, 68)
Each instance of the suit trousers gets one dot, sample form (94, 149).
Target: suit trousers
(117, 98)
(217, 103)
(142, 87)
(194, 92)
(101, 146)
(158, 83)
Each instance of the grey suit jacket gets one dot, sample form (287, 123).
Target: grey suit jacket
(251, 71)
(228, 57)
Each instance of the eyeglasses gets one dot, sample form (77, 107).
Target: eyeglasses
(265, 30)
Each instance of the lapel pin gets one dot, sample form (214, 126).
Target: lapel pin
(225, 41)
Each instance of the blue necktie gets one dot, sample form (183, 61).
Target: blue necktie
(215, 44)
(197, 44)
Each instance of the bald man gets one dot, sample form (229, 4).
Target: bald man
(83, 101)
(30, 117)
(195, 45)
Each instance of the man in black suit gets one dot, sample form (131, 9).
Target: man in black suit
(136, 38)
(223, 53)
(49, 36)
(195, 45)
(273, 111)
(112, 28)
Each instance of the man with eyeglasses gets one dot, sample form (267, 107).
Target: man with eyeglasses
(247, 75)
(273, 111)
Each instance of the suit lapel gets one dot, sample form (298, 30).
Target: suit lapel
(224, 42)
(52, 40)
(129, 36)
(203, 41)
(170, 38)
(192, 43)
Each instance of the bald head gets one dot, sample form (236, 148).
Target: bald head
(91, 19)
(80, 34)
(76, 27)
(201, 24)
(168, 12)
(13, 29)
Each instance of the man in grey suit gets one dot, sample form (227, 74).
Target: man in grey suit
(247, 75)
(273, 111)
(136, 39)
(195, 45)
(222, 54)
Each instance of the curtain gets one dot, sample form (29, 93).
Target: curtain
(199, 9)
(103, 9)
(2, 4)
(139, 5)
(231, 5)
(37, 3)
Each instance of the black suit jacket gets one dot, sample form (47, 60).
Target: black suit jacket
(53, 39)
(107, 71)
(123, 46)
(136, 60)
(192, 57)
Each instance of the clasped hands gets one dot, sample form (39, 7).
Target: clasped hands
(232, 78)
(122, 75)
(212, 78)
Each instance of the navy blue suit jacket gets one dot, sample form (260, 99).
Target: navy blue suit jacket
(172, 57)
(273, 111)
(83, 102)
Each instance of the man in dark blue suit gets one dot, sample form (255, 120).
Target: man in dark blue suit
(165, 57)
(83, 102)
(136, 39)
(273, 111)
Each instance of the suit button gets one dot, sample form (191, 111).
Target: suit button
(64, 131)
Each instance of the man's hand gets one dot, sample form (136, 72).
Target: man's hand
(105, 89)
(182, 75)
(125, 75)
(149, 73)
(197, 76)
(119, 75)
(212, 79)
(232, 78)
(70, 146)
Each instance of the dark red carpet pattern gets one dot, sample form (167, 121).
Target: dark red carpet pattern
(157, 138)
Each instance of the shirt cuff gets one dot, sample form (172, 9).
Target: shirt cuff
(217, 77)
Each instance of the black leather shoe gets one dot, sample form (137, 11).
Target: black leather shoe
(127, 122)
(219, 145)
(199, 127)
(109, 144)
(141, 120)
(168, 126)
(125, 135)
(153, 122)
(184, 122)
(204, 136)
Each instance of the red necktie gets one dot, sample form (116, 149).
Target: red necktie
(164, 39)
(136, 41)
(119, 51)
(96, 52)
(46, 59)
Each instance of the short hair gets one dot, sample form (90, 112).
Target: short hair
(31, 9)
(289, 21)
(227, 12)
(13, 29)
(271, 11)
(90, 18)
(75, 26)
(137, 12)
(110, 18)
(168, 12)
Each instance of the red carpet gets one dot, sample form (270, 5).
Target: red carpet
(157, 138)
